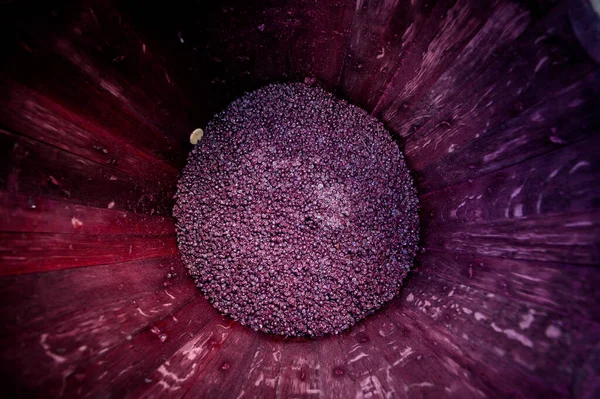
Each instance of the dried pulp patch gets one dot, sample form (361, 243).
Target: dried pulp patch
(296, 213)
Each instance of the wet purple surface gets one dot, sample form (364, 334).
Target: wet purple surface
(296, 213)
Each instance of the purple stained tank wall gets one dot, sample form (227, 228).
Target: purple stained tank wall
(494, 104)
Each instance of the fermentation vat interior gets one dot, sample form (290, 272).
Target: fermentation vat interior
(494, 104)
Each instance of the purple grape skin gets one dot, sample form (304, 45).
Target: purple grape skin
(296, 213)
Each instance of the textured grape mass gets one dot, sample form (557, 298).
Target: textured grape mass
(296, 213)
